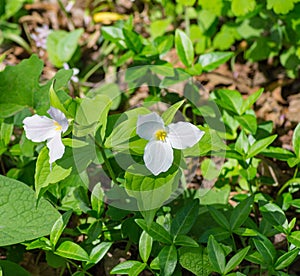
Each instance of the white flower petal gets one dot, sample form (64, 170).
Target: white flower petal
(59, 117)
(158, 156)
(148, 124)
(39, 128)
(183, 135)
(56, 148)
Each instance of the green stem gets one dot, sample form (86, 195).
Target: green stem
(105, 159)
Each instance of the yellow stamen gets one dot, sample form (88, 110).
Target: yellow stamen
(58, 126)
(161, 135)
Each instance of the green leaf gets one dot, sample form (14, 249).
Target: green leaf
(286, 259)
(99, 251)
(145, 246)
(156, 231)
(260, 145)
(195, 260)
(71, 250)
(21, 217)
(266, 249)
(124, 129)
(136, 269)
(152, 191)
(44, 176)
(61, 46)
(247, 104)
(124, 268)
(111, 90)
(169, 114)
(184, 240)
(114, 34)
(240, 213)
(248, 122)
(55, 101)
(230, 100)
(186, 2)
(11, 268)
(185, 218)
(219, 217)
(18, 84)
(184, 48)
(240, 8)
(280, 7)
(211, 61)
(91, 114)
(236, 259)
(226, 37)
(167, 260)
(273, 214)
(294, 238)
(59, 227)
(296, 140)
(12, 7)
(97, 198)
(158, 27)
(214, 6)
(216, 255)
(133, 41)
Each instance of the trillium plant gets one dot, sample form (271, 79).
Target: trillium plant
(41, 128)
(162, 139)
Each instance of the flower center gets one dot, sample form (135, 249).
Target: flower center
(58, 126)
(161, 135)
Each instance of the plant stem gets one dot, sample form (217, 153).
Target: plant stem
(105, 159)
(186, 21)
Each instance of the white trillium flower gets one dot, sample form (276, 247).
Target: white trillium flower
(158, 155)
(41, 128)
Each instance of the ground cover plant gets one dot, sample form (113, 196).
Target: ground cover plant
(149, 138)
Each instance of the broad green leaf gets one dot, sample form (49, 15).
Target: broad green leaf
(219, 217)
(124, 129)
(12, 7)
(184, 240)
(294, 238)
(248, 122)
(152, 191)
(280, 7)
(145, 246)
(214, 6)
(11, 268)
(266, 249)
(286, 259)
(195, 260)
(211, 61)
(240, 213)
(226, 37)
(214, 195)
(260, 145)
(44, 176)
(55, 101)
(133, 41)
(61, 46)
(185, 218)
(71, 250)
(124, 268)
(273, 214)
(219, 233)
(136, 269)
(256, 258)
(111, 90)
(91, 114)
(236, 259)
(296, 141)
(167, 260)
(59, 227)
(216, 255)
(230, 100)
(99, 251)
(18, 84)
(240, 8)
(114, 34)
(158, 27)
(184, 48)
(156, 231)
(278, 153)
(21, 217)
(169, 114)
(186, 2)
